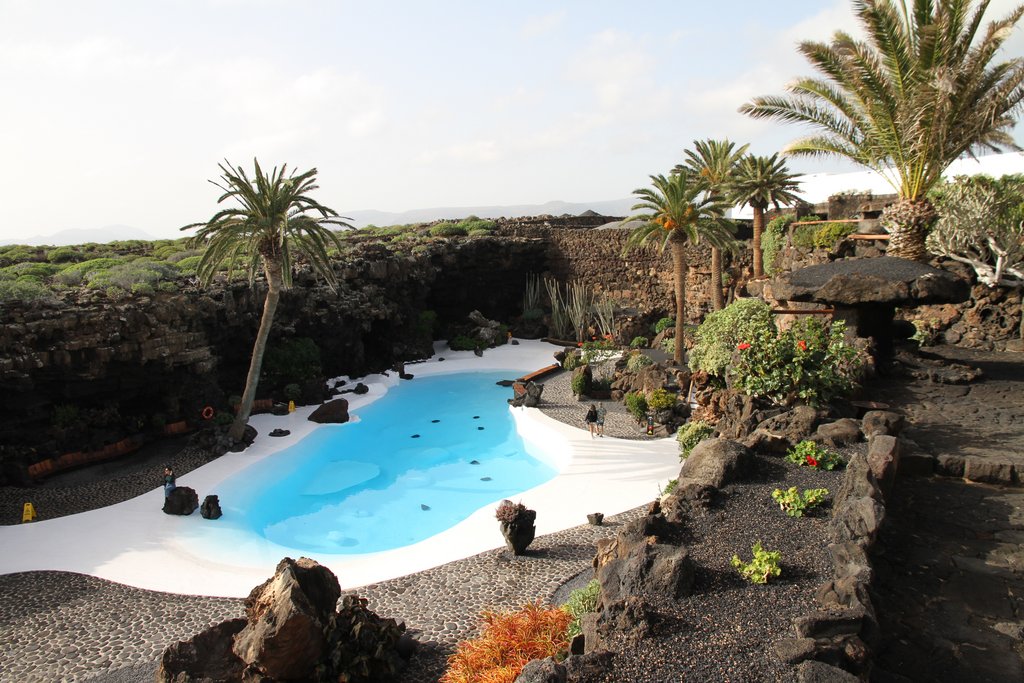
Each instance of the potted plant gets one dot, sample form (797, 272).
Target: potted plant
(517, 525)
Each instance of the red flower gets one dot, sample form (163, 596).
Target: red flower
(802, 345)
(811, 461)
(743, 346)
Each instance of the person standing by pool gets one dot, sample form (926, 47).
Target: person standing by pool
(591, 419)
(168, 480)
(602, 413)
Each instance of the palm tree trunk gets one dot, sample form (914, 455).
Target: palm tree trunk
(273, 272)
(679, 269)
(758, 229)
(908, 222)
(717, 300)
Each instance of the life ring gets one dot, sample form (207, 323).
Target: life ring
(207, 413)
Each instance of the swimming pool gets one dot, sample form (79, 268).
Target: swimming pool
(417, 461)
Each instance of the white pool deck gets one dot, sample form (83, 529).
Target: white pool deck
(134, 543)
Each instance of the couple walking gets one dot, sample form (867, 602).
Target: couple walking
(595, 419)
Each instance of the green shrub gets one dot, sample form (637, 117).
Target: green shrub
(167, 286)
(721, 331)
(292, 391)
(448, 229)
(809, 454)
(669, 346)
(829, 234)
(661, 399)
(36, 271)
(810, 362)
(636, 405)
(127, 275)
(77, 273)
(182, 254)
(65, 415)
(578, 383)
(143, 289)
(638, 361)
(795, 504)
(803, 236)
(189, 265)
(291, 360)
(764, 565)
(663, 324)
(669, 487)
(24, 291)
(691, 434)
(580, 602)
(463, 342)
(63, 255)
(426, 323)
(639, 343)
(573, 360)
(17, 253)
(222, 419)
(115, 293)
(773, 239)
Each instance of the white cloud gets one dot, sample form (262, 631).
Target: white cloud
(536, 26)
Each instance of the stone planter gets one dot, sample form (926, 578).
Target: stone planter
(520, 533)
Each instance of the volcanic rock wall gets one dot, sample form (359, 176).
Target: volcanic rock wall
(109, 366)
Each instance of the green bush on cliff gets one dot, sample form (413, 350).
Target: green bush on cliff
(24, 290)
(291, 360)
(74, 275)
(128, 275)
(829, 234)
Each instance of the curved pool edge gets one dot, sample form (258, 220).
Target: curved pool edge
(136, 544)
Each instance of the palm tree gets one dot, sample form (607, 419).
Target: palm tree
(263, 233)
(760, 181)
(679, 212)
(919, 92)
(713, 161)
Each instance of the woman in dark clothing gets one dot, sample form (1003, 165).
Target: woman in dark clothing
(591, 419)
(168, 481)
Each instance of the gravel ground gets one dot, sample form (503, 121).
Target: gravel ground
(69, 627)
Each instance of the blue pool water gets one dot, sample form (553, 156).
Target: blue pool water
(419, 460)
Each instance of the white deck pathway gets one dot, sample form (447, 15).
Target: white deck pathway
(134, 543)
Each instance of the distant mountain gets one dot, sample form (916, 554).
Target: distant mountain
(609, 207)
(109, 233)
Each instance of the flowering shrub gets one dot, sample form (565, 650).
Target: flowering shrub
(691, 434)
(812, 455)
(717, 337)
(508, 642)
(794, 504)
(508, 511)
(762, 567)
(809, 363)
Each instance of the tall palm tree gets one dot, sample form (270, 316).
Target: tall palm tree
(678, 211)
(713, 161)
(760, 181)
(263, 232)
(919, 92)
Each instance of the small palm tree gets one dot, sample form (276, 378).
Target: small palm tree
(263, 233)
(919, 92)
(679, 211)
(760, 181)
(713, 162)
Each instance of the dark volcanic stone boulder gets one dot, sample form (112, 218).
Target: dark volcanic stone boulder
(287, 617)
(645, 557)
(210, 509)
(542, 671)
(885, 279)
(206, 656)
(332, 412)
(182, 501)
(716, 462)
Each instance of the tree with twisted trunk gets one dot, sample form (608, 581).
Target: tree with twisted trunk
(679, 211)
(760, 181)
(274, 219)
(920, 91)
(713, 162)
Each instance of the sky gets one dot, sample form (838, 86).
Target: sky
(118, 112)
